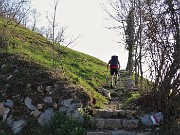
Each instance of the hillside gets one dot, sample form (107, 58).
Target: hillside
(32, 55)
(31, 67)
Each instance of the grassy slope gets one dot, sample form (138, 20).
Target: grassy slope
(79, 68)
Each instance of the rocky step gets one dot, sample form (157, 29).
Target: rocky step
(128, 124)
(114, 132)
(110, 113)
(112, 106)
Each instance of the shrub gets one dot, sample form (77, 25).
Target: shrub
(63, 125)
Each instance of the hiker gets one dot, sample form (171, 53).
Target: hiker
(114, 69)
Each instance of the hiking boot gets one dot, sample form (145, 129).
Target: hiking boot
(111, 86)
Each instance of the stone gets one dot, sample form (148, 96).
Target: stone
(9, 77)
(77, 115)
(28, 87)
(130, 124)
(10, 120)
(3, 66)
(66, 103)
(102, 113)
(146, 120)
(28, 102)
(113, 123)
(18, 125)
(4, 111)
(1, 111)
(73, 107)
(36, 113)
(104, 92)
(122, 132)
(49, 88)
(39, 106)
(48, 100)
(15, 72)
(63, 109)
(129, 84)
(8, 103)
(46, 116)
(157, 118)
(131, 114)
(100, 123)
(55, 105)
(121, 113)
(40, 89)
(97, 133)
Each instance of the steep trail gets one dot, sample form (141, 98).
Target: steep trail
(117, 118)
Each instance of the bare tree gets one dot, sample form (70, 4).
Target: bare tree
(35, 15)
(157, 42)
(52, 29)
(128, 15)
(57, 36)
(163, 50)
(124, 17)
(11, 11)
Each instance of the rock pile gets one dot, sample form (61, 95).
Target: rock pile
(43, 115)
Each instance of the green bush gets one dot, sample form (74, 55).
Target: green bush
(63, 125)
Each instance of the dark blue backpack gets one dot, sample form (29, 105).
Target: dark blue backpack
(114, 60)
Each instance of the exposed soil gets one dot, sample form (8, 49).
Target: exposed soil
(26, 77)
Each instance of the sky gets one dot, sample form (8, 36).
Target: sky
(85, 18)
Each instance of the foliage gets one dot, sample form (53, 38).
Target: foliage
(145, 86)
(129, 98)
(162, 36)
(63, 125)
(157, 46)
(88, 123)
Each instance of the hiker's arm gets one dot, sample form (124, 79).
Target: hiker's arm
(119, 65)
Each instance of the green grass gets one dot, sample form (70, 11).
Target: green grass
(129, 98)
(83, 70)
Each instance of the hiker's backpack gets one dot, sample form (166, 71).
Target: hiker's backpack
(114, 61)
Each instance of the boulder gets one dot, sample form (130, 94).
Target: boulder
(46, 116)
(66, 102)
(3, 66)
(8, 103)
(18, 125)
(10, 120)
(48, 100)
(28, 102)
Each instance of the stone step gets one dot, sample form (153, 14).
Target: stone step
(116, 123)
(134, 89)
(110, 113)
(112, 105)
(114, 132)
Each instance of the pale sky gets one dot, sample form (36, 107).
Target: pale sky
(86, 18)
